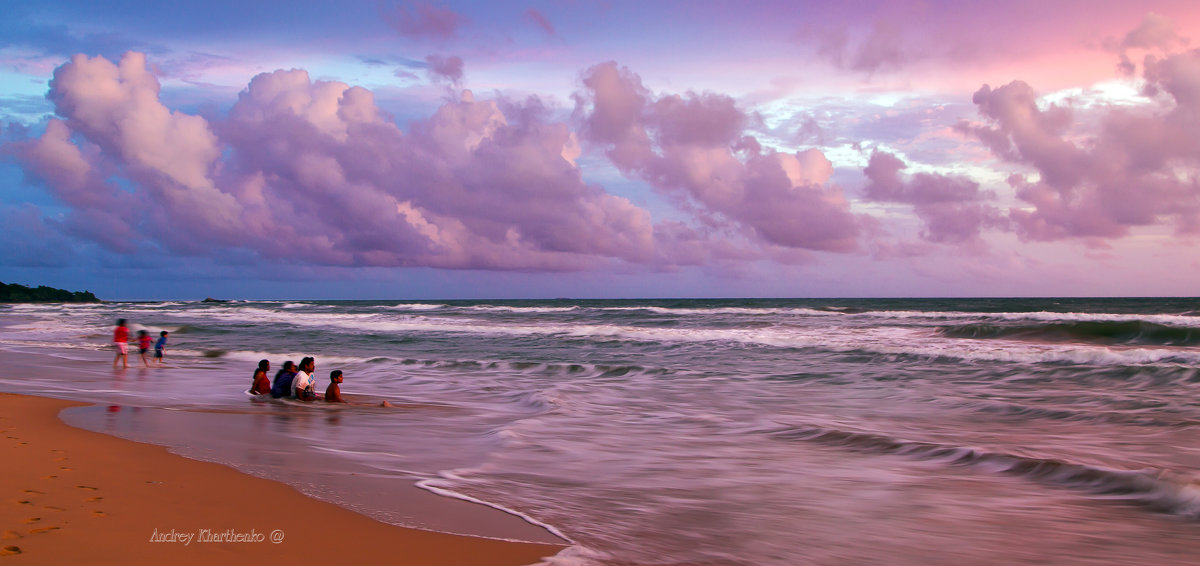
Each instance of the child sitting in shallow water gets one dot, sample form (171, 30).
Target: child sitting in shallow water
(262, 383)
(333, 393)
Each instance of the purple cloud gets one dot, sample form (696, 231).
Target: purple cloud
(449, 69)
(1124, 176)
(882, 47)
(693, 147)
(424, 20)
(42, 243)
(315, 172)
(952, 208)
(539, 19)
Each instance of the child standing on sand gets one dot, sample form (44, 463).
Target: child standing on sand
(144, 346)
(160, 346)
(121, 343)
(333, 393)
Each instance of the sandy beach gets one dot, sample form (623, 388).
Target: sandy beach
(75, 496)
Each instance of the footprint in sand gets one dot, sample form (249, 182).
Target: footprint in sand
(10, 535)
(35, 491)
(43, 530)
(99, 514)
(25, 502)
(64, 468)
(87, 487)
(10, 550)
(54, 508)
(32, 520)
(49, 477)
(93, 499)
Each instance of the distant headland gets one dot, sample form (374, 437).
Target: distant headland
(14, 293)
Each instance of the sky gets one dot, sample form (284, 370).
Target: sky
(389, 149)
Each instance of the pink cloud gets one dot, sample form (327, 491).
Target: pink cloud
(1156, 32)
(100, 211)
(448, 69)
(424, 20)
(693, 147)
(170, 155)
(952, 208)
(1126, 175)
(882, 48)
(314, 171)
(539, 19)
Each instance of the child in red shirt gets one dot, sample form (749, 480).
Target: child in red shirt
(262, 383)
(144, 346)
(120, 339)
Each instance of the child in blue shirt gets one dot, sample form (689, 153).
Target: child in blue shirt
(159, 346)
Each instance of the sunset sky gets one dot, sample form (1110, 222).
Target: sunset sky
(577, 148)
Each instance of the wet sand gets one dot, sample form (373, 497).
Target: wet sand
(75, 496)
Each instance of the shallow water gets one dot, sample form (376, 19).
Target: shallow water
(696, 432)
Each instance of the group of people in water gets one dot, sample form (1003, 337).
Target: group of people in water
(121, 345)
(292, 381)
(296, 382)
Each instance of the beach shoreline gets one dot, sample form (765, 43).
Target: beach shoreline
(768, 432)
(73, 495)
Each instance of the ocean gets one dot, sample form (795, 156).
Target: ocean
(671, 432)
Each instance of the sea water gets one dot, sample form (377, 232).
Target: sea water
(654, 432)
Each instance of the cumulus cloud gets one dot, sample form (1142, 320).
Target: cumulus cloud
(424, 20)
(953, 209)
(314, 171)
(692, 146)
(1138, 169)
(169, 154)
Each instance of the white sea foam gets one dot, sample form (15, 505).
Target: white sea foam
(529, 310)
(417, 307)
(1042, 316)
(724, 310)
(444, 488)
(276, 358)
(882, 339)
